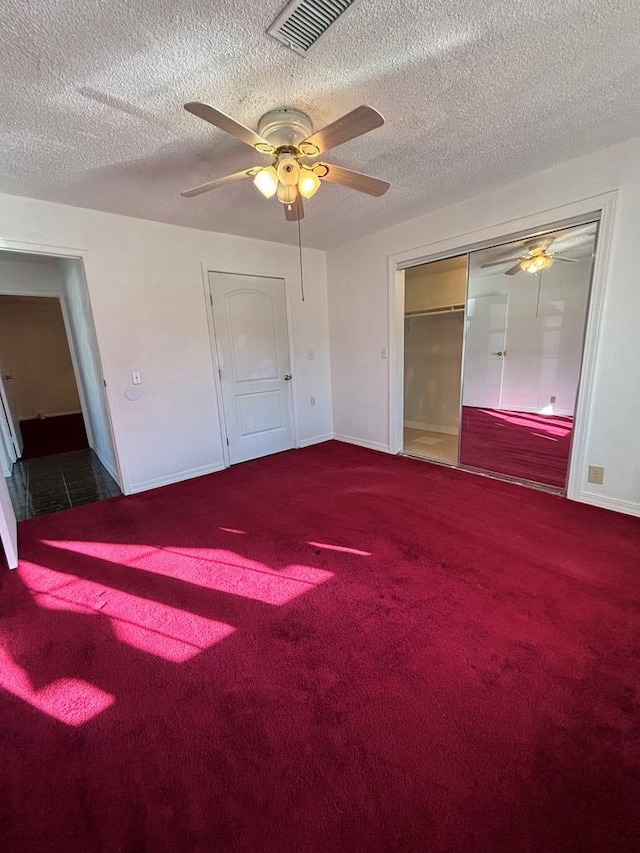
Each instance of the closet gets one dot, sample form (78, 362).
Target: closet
(493, 343)
(433, 335)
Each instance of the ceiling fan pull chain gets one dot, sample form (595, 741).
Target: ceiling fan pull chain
(301, 269)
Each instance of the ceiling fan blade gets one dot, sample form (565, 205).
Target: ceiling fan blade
(514, 269)
(499, 263)
(220, 182)
(353, 180)
(229, 125)
(358, 121)
(294, 211)
(569, 260)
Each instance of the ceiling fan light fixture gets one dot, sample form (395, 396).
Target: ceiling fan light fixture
(287, 193)
(266, 181)
(288, 170)
(536, 263)
(309, 183)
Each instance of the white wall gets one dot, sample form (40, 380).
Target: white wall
(145, 283)
(358, 279)
(87, 361)
(432, 366)
(35, 352)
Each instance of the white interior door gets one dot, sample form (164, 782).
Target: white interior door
(9, 416)
(485, 350)
(252, 342)
(8, 526)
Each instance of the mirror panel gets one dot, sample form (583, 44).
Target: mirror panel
(524, 333)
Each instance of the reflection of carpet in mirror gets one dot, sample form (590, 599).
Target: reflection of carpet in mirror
(525, 445)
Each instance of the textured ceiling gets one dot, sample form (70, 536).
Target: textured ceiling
(475, 93)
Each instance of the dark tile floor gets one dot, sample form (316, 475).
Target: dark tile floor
(50, 483)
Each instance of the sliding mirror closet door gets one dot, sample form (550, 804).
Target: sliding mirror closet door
(525, 322)
(433, 332)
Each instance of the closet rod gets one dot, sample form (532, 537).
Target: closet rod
(428, 312)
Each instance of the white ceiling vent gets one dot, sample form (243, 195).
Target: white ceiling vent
(303, 22)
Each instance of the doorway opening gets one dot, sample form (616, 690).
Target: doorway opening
(523, 307)
(39, 384)
(56, 446)
(433, 333)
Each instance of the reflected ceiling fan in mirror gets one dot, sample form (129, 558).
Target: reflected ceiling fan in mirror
(287, 138)
(538, 256)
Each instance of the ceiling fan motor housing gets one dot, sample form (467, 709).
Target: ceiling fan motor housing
(285, 127)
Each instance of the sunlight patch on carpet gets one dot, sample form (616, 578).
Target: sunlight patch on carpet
(71, 701)
(209, 568)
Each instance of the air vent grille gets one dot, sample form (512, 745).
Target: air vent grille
(303, 22)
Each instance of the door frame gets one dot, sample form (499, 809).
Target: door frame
(11, 431)
(213, 346)
(82, 255)
(602, 208)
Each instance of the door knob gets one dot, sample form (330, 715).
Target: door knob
(287, 377)
(499, 353)
(8, 376)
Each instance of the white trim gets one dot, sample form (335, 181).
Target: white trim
(396, 357)
(316, 439)
(592, 338)
(8, 528)
(600, 206)
(532, 410)
(362, 442)
(41, 249)
(613, 504)
(217, 382)
(73, 353)
(178, 477)
(120, 475)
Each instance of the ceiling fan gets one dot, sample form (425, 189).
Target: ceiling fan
(287, 138)
(539, 256)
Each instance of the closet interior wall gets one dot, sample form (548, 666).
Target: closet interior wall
(434, 325)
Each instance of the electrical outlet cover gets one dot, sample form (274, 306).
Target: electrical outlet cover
(596, 474)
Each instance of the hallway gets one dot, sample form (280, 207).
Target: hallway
(51, 483)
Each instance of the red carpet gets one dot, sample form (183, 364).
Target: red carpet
(326, 650)
(46, 436)
(520, 444)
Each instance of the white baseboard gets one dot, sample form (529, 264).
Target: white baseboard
(362, 442)
(564, 413)
(626, 507)
(317, 439)
(447, 430)
(157, 482)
